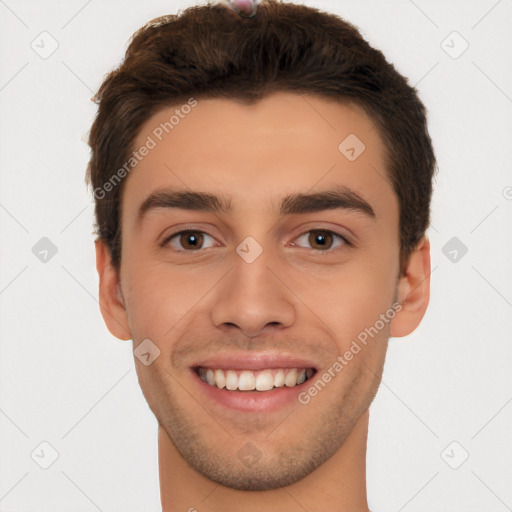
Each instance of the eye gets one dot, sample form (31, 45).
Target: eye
(193, 240)
(323, 239)
(190, 240)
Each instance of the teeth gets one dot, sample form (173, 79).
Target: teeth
(264, 381)
(247, 380)
(210, 377)
(231, 380)
(291, 378)
(279, 379)
(220, 379)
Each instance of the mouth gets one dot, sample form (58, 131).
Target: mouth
(252, 383)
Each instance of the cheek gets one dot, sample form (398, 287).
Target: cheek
(161, 297)
(350, 298)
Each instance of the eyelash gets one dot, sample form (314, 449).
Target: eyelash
(344, 239)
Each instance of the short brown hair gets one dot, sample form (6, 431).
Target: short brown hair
(210, 51)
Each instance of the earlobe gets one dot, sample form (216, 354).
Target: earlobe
(413, 291)
(112, 304)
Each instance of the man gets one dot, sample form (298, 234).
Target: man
(262, 181)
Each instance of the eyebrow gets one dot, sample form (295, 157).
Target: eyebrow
(340, 197)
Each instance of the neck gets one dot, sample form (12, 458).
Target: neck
(338, 484)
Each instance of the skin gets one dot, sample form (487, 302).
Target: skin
(299, 299)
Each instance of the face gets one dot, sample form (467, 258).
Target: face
(268, 278)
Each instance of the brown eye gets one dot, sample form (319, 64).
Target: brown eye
(191, 240)
(323, 239)
(320, 239)
(188, 241)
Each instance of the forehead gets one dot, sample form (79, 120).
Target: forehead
(257, 154)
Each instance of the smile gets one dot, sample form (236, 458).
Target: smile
(251, 383)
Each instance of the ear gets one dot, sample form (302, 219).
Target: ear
(111, 299)
(413, 291)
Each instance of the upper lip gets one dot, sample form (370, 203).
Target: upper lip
(252, 361)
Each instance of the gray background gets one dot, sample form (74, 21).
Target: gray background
(64, 380)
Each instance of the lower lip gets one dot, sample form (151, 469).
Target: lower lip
(251, 401)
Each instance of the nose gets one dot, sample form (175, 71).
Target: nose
(253, 298)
